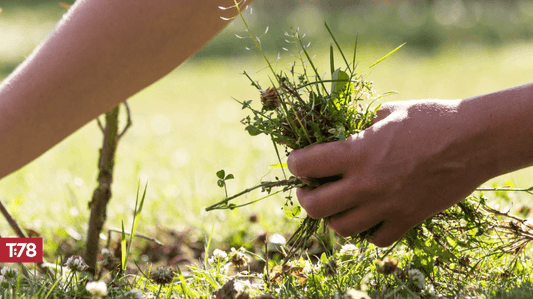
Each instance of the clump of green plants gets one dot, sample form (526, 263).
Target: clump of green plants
(302, 108)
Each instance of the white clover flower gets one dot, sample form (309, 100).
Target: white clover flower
(219, 254)
(309, 268)
(355, 294)
(365, 281)
(276, 241)
(104, 251)
(135, 293)
(224, 270)
(245, 286)
(76, 263)
(211, 261)
(430, 290)
(348, 249)
(9, 272)
(240, 286)
(417, 278)
(97, 288)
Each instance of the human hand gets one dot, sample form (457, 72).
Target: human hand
(418, 158)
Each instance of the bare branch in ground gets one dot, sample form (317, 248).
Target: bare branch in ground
(128, 120)
(12, 222)
(102, 193)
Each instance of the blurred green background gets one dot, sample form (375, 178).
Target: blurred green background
(186, 126)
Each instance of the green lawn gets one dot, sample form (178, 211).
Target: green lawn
(186, 127)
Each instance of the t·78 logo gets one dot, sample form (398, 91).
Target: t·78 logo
(21, 250)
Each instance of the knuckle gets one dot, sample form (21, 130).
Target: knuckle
(387, 106)
(344, 149)
(371, 188)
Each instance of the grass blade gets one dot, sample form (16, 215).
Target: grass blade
(279, 165)
(208, 244)
(137, 212)
(331, 60)
(338, 47)
(389, 54)
(124, 251)
(52, 288)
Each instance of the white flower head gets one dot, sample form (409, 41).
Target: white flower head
(355, 294)
(244, 286)
(219, 254)
(97, 288)
(430, 290)
(76, 263)
(212, 261)
(417, 278)
(365, 281)
(348, 249)
(277, 239)
(9, 272)
(309, 268)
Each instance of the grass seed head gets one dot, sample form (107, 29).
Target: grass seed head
(387, 266)
(270, 99)
(162, 275)
(238, 258)
(108, 261)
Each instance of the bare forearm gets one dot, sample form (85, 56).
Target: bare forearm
(101, 53)
(502, 122)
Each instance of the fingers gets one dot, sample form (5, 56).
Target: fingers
(355, 221)
(335, 197)
(389, 233)
(327, 199)
(320, 160)
(362, 219)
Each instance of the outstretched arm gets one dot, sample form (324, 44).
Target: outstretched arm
(419, 158)
(101, 53)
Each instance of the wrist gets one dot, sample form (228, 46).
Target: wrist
(499, 130)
